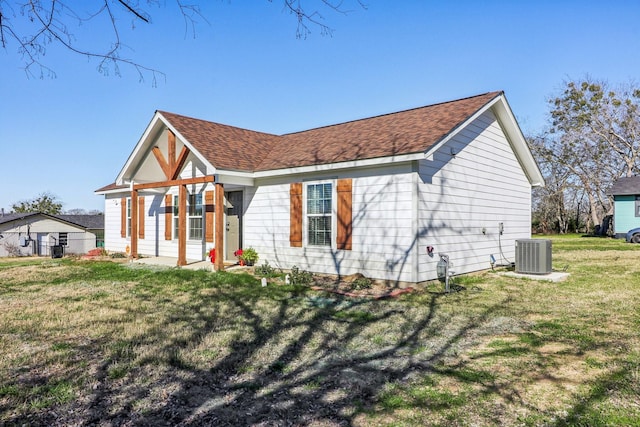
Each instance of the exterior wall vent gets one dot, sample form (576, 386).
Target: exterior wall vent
(533, 256)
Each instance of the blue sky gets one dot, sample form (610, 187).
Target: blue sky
(71, 134)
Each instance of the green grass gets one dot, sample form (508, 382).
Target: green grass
(90, 341)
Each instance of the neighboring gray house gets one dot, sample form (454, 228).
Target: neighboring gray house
(626, 204)
(381, 196)
(24, 234)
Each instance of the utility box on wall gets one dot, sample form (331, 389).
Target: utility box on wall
(533, 256)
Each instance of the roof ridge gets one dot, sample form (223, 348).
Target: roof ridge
(215, 123)
(395, 112)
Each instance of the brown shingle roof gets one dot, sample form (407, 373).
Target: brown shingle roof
(226, 147)
(405, 132)
(112, 186)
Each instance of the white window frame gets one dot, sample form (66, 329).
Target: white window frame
(128, 216)
(175, 218)
(332, 214)
(190, 216)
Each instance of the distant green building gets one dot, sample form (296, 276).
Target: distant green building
(626, 199)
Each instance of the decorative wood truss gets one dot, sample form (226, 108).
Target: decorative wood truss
(172, 168)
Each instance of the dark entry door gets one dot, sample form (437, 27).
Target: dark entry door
(233, 234)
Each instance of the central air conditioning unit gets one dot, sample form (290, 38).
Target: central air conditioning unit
(533, 256)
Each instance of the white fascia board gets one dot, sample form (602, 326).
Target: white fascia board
(136, 150)
(157, 123)
(518, 142)
(379, 161)
(235, 177)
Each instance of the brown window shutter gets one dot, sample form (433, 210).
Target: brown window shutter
(345, 215)
(123, 217)
(141, 217)
(208, 216)
(295, 231)
(168, 216)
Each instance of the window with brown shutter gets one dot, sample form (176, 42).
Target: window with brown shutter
(295, 231)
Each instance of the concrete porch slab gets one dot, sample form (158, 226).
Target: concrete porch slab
(173, 262)
(555, 276)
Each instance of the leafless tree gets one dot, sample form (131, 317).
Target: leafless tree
(33, 26)
(594, 138)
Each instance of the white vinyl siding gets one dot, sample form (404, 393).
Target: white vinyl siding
(480, 187)
(382, 227)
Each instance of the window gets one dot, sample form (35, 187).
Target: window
(194, 217)
(62, 239)
(638, 206)
(128, 216)
(319, 204)
(176, 223)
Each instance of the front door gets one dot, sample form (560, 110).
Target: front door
(233, 233)
(43, 244)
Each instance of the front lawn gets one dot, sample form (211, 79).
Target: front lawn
(101, 343)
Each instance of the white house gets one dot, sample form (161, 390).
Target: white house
(24, 234)
(382, 196)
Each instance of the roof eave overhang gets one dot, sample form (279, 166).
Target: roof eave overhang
(112, 191)
(363, 163)
(505, 117)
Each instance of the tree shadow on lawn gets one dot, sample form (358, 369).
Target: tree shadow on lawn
(281, 355)
(307, 359)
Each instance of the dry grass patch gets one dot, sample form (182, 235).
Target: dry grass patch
(98, 343)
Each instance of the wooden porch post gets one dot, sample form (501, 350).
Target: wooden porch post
(182, 225)
(134, 223)
(220, 228)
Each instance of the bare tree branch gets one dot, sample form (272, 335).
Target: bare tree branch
(36, 25)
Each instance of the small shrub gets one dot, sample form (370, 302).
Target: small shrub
(265, 270)
(361, 283)
(299, 277)
(118, 255)
(12, 249)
